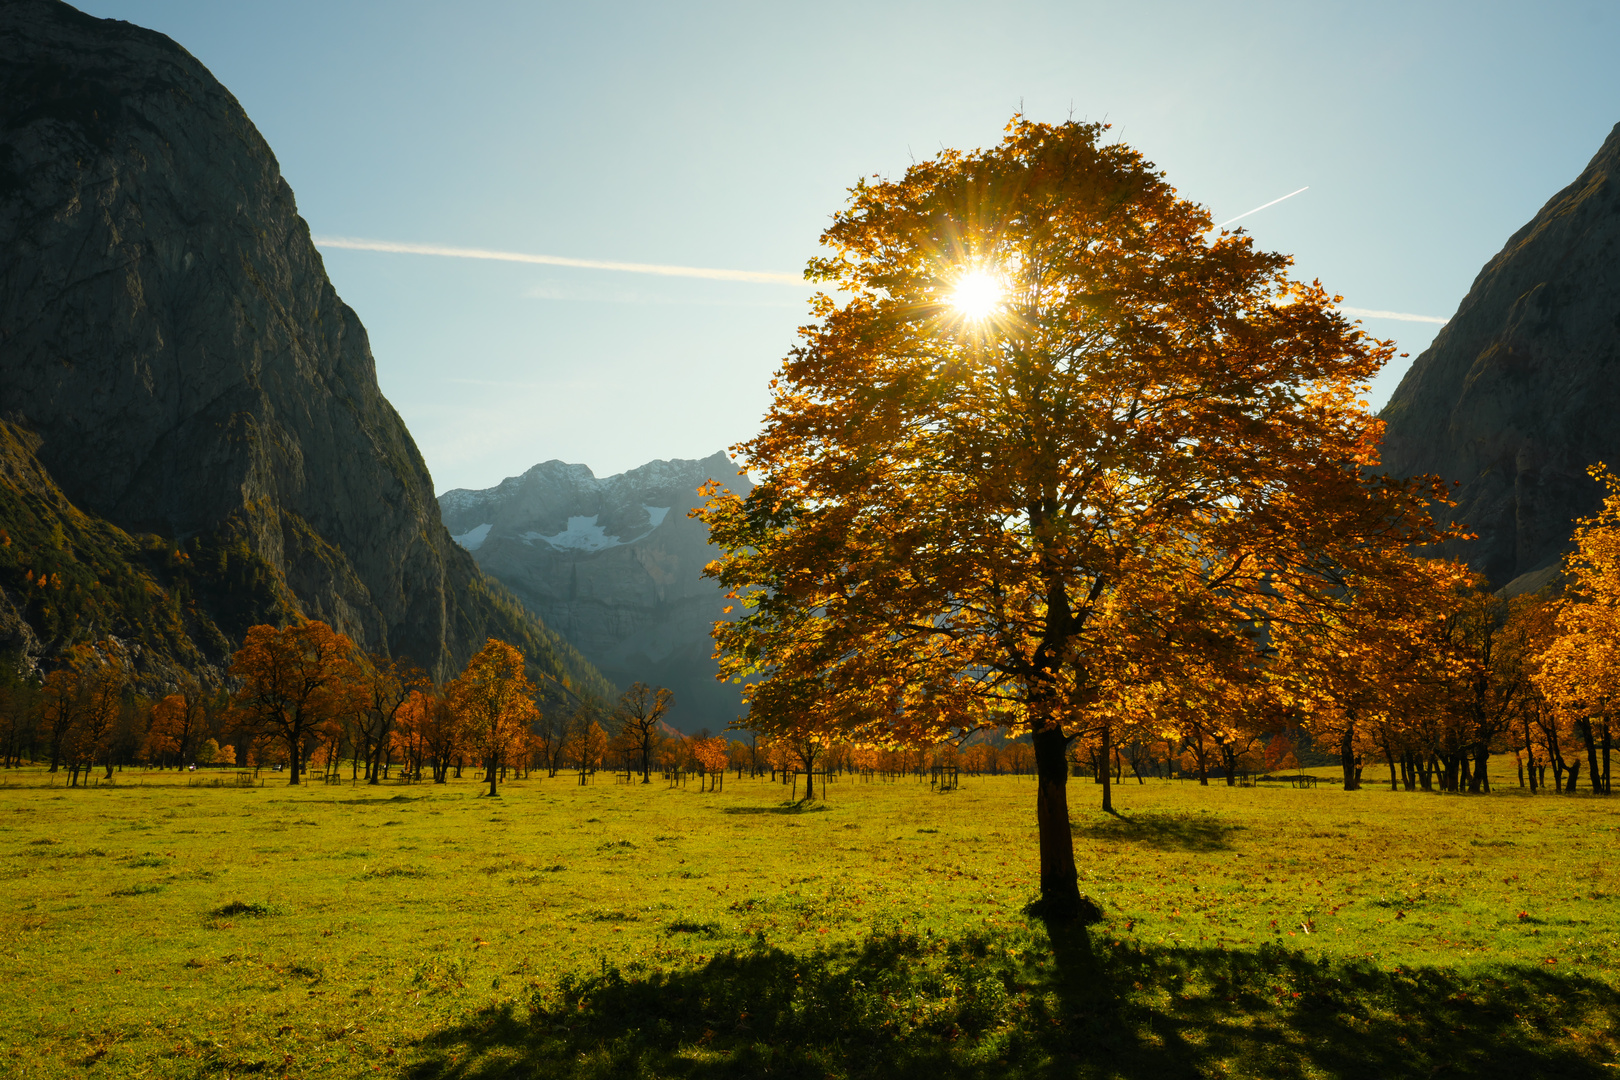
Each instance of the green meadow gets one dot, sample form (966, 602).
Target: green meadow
(156, 929)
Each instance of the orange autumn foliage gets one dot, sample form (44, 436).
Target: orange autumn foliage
(710, 756)
(494, 704)
(294, 680)
(1578, 670)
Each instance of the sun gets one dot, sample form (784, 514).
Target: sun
(977, 294)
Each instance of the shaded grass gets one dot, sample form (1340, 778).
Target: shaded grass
(1164, 832)
(794, 808)
(241, 908)
(990, 1005)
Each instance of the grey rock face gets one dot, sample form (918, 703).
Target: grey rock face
(615, 566)
(1520, 391)
(168, 331)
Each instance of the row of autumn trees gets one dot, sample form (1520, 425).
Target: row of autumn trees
(303, 694)
(1429, 676)
(306, 697)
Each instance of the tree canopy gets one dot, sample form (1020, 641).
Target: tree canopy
(1047, 434)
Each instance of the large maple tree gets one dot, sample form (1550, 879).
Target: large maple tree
(1046, 426)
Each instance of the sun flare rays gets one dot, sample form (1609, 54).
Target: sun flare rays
(978, 294)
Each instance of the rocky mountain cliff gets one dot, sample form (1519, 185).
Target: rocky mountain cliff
(189, 406)
(615, 566)
(1520, 391)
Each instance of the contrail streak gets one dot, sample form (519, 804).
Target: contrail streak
(1257, 209)
(1365, 313)
(1370, 313)
(757, 276)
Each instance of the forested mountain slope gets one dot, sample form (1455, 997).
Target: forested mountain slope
(192, 413)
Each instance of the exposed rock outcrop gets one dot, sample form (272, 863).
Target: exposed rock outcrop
(1520, 391)
(170, 340)
(615, 566)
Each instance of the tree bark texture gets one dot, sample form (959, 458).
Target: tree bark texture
(1108, 788)
(1347, 757)
(1060, 883)
(294, 759)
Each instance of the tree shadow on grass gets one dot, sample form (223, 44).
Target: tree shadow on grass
(1017, 1004)
(1167, 832)
(790, 808)
(374, 800)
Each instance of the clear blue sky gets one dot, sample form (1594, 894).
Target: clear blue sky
(723, 135)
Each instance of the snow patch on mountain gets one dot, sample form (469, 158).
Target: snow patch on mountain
(582, 534)
(473, 539)
(615, 565)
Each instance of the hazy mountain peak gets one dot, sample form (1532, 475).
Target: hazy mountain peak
(615, 565)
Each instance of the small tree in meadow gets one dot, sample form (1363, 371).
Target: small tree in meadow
(637, 719)
(710, 755)
(494, 701)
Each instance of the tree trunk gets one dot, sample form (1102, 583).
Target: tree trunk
(1585, 727)
(1458, 773)
(1530, 755)
(1060, 883)
(1136, 764)
(492, 790)
(1608, 739)
(1347, 757)
(1108, 788)
(294, 758)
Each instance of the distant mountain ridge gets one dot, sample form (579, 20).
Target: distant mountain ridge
(1520, 391)
(615, 565)
(191, 412)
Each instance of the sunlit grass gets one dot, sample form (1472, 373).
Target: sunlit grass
(175, 931)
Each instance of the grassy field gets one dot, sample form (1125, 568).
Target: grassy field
(156, 929)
